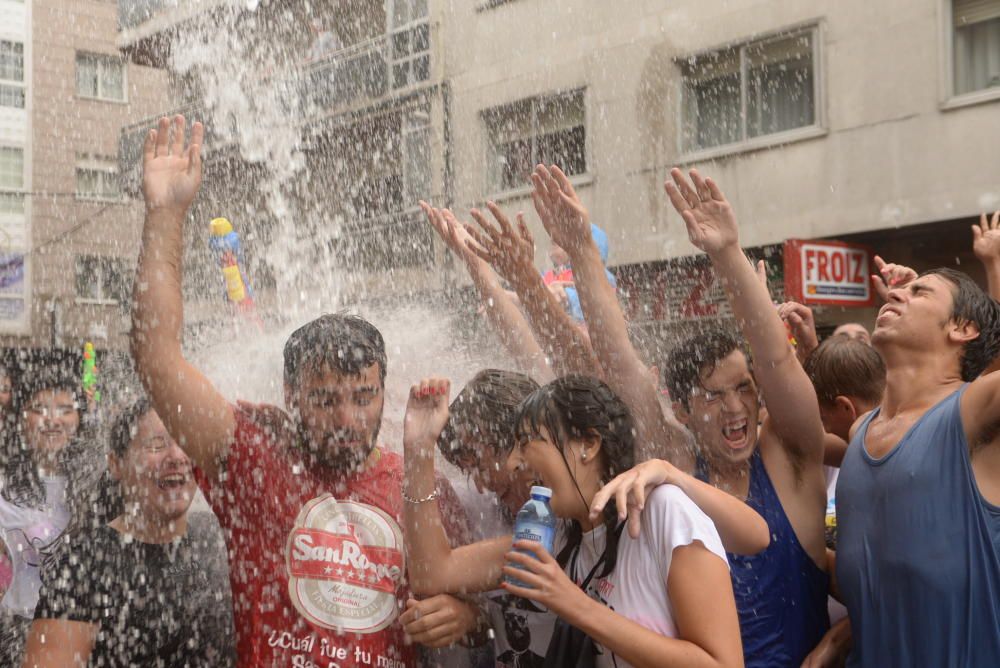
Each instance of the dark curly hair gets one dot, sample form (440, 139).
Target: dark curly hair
(577, 407)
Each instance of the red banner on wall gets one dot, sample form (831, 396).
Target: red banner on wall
(828, 272)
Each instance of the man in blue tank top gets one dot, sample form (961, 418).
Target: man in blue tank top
(918, 500)
(780, 592)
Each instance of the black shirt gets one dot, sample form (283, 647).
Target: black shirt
(156, 605)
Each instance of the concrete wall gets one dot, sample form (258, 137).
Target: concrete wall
(890, 154)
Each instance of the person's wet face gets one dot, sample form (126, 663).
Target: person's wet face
(490, 473)
(854, 330)
(51, 419)
(339, 415)
(538, 460)
(917, 313)
(722, 413)
(155, 474)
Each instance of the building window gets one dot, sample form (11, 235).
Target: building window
(751, 90)
(976, 45)
(410, 43)
(11, 180)
(100, 77)
(549, 130)
(97, 179)
(11, 74)
(102, 278)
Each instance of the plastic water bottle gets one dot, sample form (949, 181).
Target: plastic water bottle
(535, 522)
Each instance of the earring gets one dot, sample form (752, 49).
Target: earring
(583, 456)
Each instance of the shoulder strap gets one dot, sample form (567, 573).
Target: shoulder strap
(604, 557)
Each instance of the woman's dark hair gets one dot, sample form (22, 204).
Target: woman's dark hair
(56, 371)
(972, 304)
(581, 407)
(487, 409)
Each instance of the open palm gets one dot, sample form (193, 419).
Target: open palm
(710, 220)
(986, 238)
(171, 172)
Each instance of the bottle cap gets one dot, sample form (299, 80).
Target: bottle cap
(541, 491)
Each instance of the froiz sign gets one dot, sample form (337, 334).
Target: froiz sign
(828, 272)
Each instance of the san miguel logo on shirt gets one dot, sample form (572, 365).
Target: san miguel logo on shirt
(345, 561)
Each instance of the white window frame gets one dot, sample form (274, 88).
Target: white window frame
(949, 99)
(489, 153)
(15, 83)
(819, 125)
(102, 299)
(101, 59)
(107, 168)
(412, 56)
(16, 191)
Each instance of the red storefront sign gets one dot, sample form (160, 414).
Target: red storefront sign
(828, 272)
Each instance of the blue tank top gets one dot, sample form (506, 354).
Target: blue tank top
(780, 593)
(918, 549)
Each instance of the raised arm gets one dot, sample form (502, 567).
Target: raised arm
(787, 390)
(802, 325)
(507, 320)
(435, 567)
(568, 223)
(197, 416)
(512, 253)
(986, 246)
(741, 528)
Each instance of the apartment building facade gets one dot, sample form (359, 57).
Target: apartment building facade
(867, 123)
(69, 238)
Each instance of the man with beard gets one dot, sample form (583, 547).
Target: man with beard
(309, 502)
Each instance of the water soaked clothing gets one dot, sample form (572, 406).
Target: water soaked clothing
(156, 604)
(317, 563)
(918, 558)
(25, 536)
(781, 594)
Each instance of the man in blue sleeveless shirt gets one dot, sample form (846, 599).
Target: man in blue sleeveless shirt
(780, 592)
(918, 500)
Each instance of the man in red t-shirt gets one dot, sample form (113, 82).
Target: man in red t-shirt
(310, 504)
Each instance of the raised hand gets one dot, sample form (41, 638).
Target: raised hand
(890, 276)
(452, 232)
(426, 415)
(510, 252)
(801, 323)
(986, 239)
(171, 172)
(710, 220)
(563, 215)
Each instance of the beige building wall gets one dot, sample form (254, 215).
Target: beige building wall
(67, 130)
(890, 152)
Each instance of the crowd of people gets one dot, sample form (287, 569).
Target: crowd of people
(718, 507)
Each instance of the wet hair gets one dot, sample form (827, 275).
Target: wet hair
(81, 460)
(972, 304)
(578, 407)
(126, 425)
(487, 407)
(696, 356)
(346, 343)
(842, 366)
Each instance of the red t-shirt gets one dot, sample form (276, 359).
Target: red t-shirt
(317, 563)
